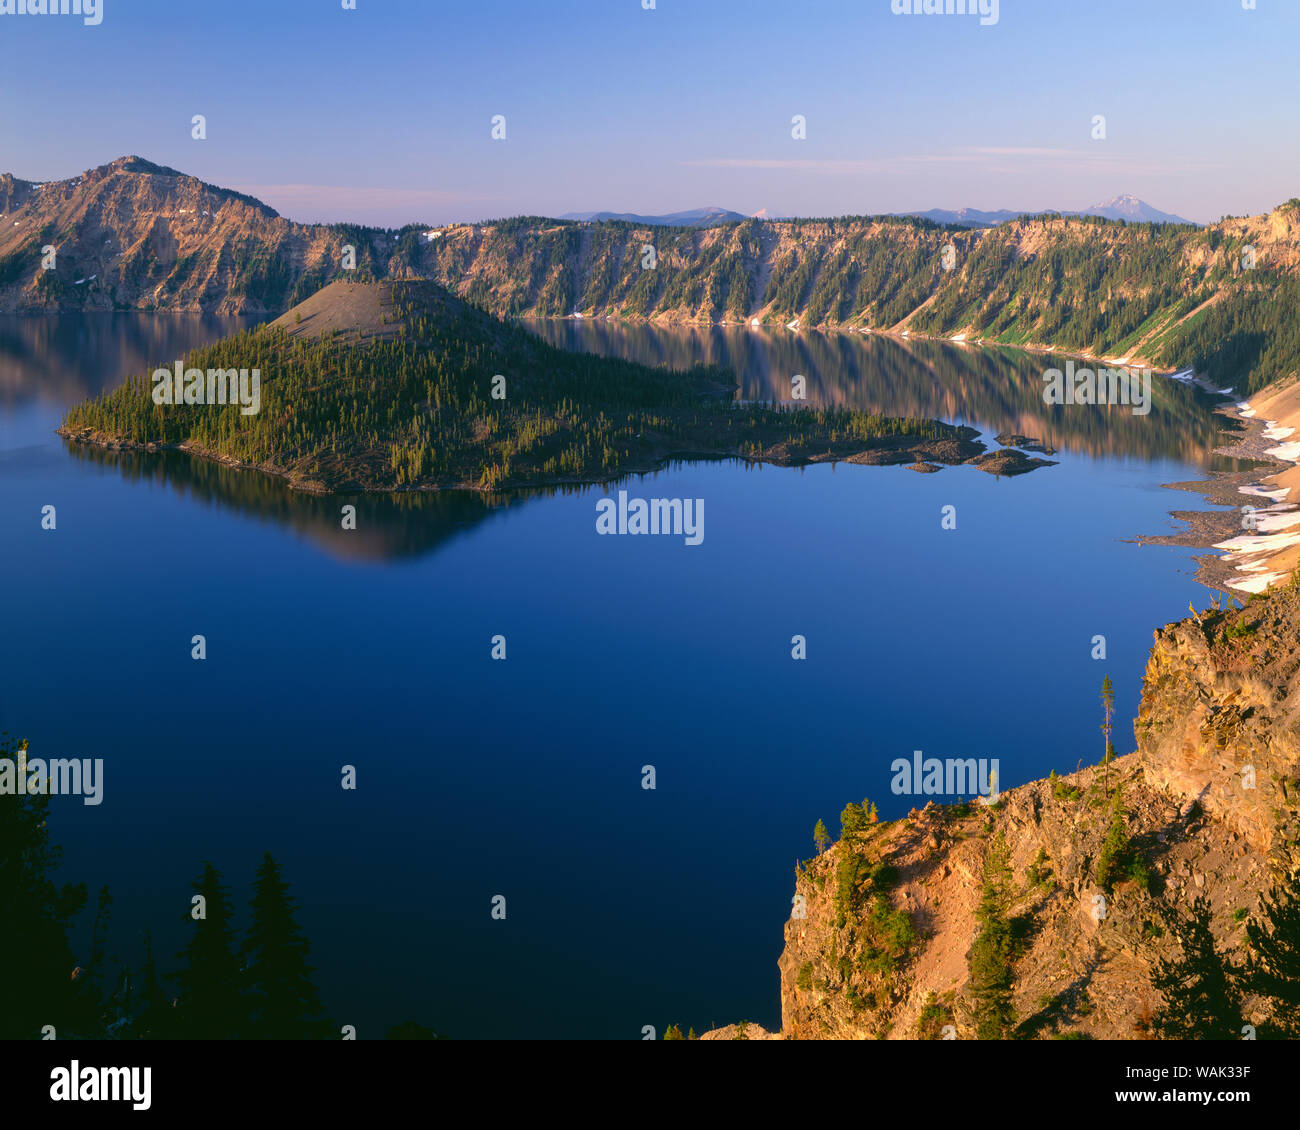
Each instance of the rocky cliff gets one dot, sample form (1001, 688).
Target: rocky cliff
(133, 235)
(1207, 806)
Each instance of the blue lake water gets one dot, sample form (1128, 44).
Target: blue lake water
(522, 778)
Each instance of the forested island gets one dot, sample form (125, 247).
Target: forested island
(403, 386)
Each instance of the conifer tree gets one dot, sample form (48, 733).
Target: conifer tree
(857, 818)
(852, 821)
(1114, 853)
(209, 1003)
(1108, 710)
(821, 837)
(155, 1009)
(95, 974)
(993, 951)
(35, 916)
(1201, 997)
(282, 1000)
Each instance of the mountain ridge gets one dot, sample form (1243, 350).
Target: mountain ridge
(694, 217)
(133, 235)
(1124, 207)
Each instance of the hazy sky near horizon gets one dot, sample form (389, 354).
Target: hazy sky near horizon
(384, 114)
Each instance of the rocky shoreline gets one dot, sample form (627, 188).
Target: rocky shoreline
(963, 449)
(1207, 529)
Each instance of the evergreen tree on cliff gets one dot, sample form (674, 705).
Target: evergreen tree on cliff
(1201, 999)
(1108, 710)
(35, 916)
(821, 837)
(1273, 968)
(993, 952)
(857, 819)
(209, 1003)
(282, 1000)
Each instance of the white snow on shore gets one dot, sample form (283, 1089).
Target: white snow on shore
(1289, 452)
(1276, 494)
(1257, 584)
(1274, 526)
(1264, 541)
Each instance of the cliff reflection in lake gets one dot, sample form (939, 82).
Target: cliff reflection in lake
(58, 360)
(993, 387)
(69, 357)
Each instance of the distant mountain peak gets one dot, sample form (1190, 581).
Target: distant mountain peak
(1125, 207)
(1129, 207)
(695, 218)
(1125, 200)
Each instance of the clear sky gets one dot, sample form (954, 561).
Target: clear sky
(384, 114)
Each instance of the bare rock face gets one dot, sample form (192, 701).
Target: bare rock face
(1219, 724)
(878, 946)
(135, 235)
(741, 1031)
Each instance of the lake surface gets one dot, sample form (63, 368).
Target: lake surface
(522, 778)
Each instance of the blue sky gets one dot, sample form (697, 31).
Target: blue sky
(383, 114)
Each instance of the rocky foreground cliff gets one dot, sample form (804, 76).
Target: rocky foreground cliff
(1099, 865)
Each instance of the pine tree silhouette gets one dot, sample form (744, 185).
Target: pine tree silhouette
(157, 1017)
(34, 918)
(1273, 967)
(1201, 998)
(96, 975)
(209, 1002)
(283, 1002)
